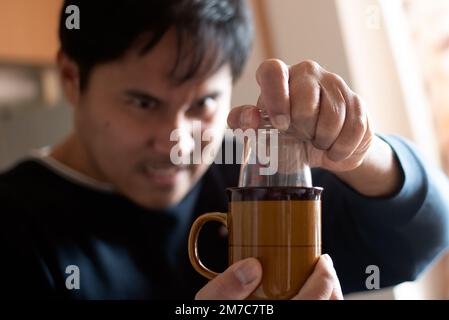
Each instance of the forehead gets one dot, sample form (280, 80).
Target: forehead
(164, 58)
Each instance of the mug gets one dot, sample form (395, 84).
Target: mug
(280, 226)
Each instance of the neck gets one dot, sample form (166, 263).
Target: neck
(73, 154)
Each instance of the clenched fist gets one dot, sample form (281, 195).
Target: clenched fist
(318, 107)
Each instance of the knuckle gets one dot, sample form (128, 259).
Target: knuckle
(358, 105)
(335, 78)
(358, 125)
(271, 67)
(358, 101)
(309, 67)
(359, 121)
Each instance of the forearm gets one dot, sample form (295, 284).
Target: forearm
(401, 234)
(379, 174)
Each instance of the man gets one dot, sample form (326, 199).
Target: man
(108, 203)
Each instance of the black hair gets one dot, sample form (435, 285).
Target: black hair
(221, 28)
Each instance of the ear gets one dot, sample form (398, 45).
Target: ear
(70, 80)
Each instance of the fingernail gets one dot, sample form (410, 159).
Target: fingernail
(245, 118)
(329, 259)
(247, 272)
(281, 122)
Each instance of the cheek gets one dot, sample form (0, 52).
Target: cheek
(110, 134)
(219, 123)
(214, 129)
(125, 141)
(219, 118)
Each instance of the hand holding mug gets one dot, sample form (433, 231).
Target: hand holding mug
(243, 277)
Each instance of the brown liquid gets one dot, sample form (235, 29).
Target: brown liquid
(285, 235)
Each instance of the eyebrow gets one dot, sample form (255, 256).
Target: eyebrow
(142, 95)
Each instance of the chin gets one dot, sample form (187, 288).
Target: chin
(152, 196)
(159, 200)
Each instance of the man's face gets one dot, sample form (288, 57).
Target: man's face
(128, 110)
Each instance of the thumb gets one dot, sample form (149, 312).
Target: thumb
(244, 117)
(235, 283)
(323, 283)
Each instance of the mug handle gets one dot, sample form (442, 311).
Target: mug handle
(193, 242)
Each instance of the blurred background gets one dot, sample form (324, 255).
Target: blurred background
(394, 53)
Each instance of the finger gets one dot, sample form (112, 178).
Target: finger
(353, 131)
(305, 97)
(322, 284)
(244, 117)
(235, 283)
(272, 77)
(337, 293)
(332, 113)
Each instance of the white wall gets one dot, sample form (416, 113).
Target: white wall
(307, 29)
(384, 72)
(293, 30)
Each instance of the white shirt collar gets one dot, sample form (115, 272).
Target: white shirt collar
(43, 156)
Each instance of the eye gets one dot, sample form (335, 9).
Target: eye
(205, 102)
(204, 106)
(143, 103)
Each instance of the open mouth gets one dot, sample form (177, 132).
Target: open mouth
(166, 175)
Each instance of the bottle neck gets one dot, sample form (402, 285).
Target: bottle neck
(284, 152)
(265, 122)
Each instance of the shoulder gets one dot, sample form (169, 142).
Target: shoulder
(21, 171)
(16, 187)
(27, 187)
(24, 179)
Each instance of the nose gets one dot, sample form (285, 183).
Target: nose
(174, 131)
